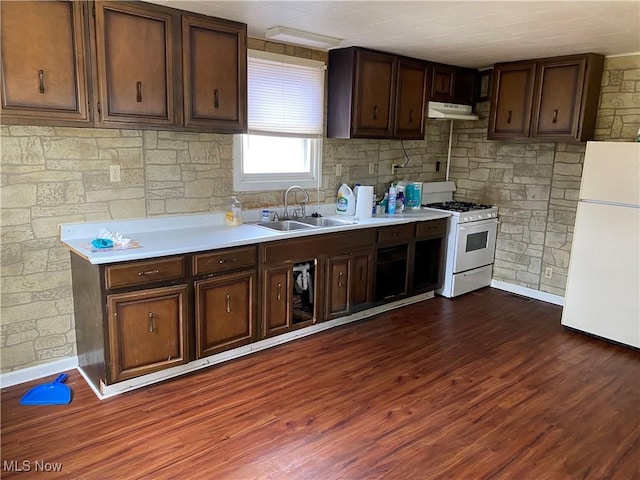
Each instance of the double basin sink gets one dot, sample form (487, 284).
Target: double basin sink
(303, 224)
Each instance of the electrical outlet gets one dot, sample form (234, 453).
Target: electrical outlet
(372, 168)
(338, 169)
(548, 272)
(114, 173)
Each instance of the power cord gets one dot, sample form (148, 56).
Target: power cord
(394, 167)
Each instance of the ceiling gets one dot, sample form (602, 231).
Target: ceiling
(464, 33)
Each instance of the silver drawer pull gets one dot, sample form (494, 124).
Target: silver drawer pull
(149, 272)
(150, 322)
(222, 260)
(228, 303)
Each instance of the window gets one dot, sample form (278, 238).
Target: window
(285, 117)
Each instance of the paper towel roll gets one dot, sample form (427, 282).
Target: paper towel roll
(364, 201)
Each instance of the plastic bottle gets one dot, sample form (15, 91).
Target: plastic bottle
(265, 216)
(346, 201)
(400, 202)
(234, 212)
(391, 207)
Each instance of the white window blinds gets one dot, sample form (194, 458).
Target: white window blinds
(286, 95)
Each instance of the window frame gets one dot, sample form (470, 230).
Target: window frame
(281, 180)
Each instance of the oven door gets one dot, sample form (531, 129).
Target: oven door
(475, 245)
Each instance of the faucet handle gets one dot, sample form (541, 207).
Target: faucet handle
(296, 213)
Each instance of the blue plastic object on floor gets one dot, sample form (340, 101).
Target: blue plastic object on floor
(55, 393)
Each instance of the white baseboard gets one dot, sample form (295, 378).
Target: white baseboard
(39, 371)
(528, 292)
(106, 391)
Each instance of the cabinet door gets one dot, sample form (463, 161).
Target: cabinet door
(276, 301)
(511, 101)
(361, 279)
(135, 63)
(43, 63)
(374, 99)
(464, 86)
(224, 312)
(442, 83)
(214, 57)
(557, 104)
(410, 100)
(146, 331)
(338, 288)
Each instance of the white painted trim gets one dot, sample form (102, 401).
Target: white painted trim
(528, 292)
(630, 54)
(107, 391)
(39, 371)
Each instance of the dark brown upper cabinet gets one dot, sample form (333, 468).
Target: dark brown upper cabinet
(410, 99)
(375, 95)
(452, 84)
(214, 66)
(551, 99)
(511, 100)
(44, 60)
(136, 71)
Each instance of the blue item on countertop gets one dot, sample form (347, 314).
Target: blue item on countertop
(102, 243)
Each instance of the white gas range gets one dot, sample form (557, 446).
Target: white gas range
(471, 239)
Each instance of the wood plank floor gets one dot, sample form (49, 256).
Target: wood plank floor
(486, 386)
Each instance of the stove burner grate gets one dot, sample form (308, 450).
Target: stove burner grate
(457, 206)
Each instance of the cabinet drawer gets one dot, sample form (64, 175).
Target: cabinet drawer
(224, 260)
(138, 273)
(395, 233)
(431, 228)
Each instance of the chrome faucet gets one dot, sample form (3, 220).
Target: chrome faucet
(285, 214)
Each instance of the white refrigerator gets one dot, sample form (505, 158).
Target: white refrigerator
(603, 287)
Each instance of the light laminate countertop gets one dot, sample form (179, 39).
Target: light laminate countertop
(173, 235)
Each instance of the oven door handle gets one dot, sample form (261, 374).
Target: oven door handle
(476, 224)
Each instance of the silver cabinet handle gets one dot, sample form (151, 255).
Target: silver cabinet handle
(279, 292)
(139, 92)
(148, 272)
(150, 322)
(340, 275)
(41, 78)
(228, 303)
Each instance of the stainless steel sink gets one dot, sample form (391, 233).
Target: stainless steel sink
(303, 224)
(324, 222)
(285, 225)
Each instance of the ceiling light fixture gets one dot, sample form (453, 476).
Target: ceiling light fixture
(298, 37)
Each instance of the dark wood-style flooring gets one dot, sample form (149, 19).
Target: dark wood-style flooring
(486, 386)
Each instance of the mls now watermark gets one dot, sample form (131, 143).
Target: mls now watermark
(31, 466)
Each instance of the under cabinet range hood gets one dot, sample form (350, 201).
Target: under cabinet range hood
(451, 111)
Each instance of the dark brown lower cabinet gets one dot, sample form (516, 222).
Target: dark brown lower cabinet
(142, 316)
(347, 284)
(338, 286)
(288, 297)
(147, 331)
(224, 313)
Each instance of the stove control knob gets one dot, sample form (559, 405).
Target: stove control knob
(465, 219)
(479, 216)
